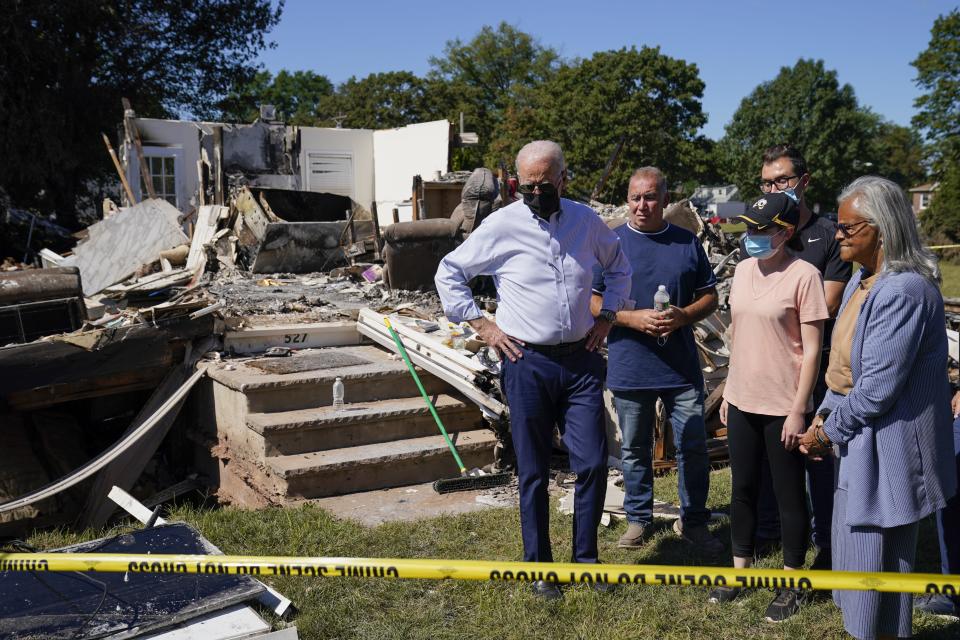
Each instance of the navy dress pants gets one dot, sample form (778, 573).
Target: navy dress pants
(565, 391)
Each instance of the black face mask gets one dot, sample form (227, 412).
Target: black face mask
(542, 204)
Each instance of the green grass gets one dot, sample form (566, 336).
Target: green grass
(733, 227)
(951, 279)
(354, 608)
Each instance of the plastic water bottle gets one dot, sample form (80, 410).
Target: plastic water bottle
(661, 299)
(661, 302)
(338, 394)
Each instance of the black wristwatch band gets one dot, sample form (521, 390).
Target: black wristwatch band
(608, 315)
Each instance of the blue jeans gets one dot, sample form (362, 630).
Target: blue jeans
(636, 411)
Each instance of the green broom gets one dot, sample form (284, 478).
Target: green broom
(468, 480)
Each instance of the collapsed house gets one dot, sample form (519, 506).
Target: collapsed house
(193, 337)
(192, 164)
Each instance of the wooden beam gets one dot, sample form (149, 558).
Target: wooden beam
(133, 134)
(116, 164)
(135, 380)
(377, 239)
(415, 197)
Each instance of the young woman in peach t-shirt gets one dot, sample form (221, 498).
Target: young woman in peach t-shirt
(778, 311)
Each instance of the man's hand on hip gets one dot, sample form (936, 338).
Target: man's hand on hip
(597, 334)
(491, 334)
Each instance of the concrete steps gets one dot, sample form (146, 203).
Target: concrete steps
(279, 441)
(322, 428)
(375, 376)
(377, 466)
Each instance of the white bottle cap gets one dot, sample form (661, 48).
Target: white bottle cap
(662, 287)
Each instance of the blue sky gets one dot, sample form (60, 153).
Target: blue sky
(736, 45)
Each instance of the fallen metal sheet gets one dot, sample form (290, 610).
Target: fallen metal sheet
(121, 605)
(277, 602)
(234, 623)
(304, 247)
(299, 247)
(111, 454)
(312, 361)
(296, 336)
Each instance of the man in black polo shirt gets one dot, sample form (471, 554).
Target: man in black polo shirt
(785, 170)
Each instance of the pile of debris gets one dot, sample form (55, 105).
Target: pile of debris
(171, 606)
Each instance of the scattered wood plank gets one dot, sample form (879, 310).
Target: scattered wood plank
(116, 164)
(133, 135)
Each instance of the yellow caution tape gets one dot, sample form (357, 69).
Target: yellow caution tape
(560, 572)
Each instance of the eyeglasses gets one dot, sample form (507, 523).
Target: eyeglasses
(782, 182)
(546, 188)
(846, 230)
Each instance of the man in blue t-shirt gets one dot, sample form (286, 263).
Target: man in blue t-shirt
(652, 355)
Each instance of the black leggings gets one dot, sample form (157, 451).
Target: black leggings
(748, 434)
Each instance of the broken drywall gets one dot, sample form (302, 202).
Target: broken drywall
(122, 243)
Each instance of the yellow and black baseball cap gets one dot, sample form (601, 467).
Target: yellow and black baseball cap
(772, 208)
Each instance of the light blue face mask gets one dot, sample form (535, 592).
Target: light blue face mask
(760, 247)
(790, 193)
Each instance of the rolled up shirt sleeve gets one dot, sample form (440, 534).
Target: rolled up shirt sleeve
(472, 258)
(616, 268)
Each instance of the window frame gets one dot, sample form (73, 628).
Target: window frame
(176, 153)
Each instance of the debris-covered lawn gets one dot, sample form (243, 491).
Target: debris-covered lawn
(376, 608)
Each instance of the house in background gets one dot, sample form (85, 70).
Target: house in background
(719, 202)
(191, 164)
(922, 195)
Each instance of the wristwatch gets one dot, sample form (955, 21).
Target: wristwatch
(608, 315)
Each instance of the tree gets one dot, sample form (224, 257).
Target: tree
(65, 64)
(938, 74)
(940, 221)
(648, 99)
(384, 100)
(805, 106)
(899, 154)
(296, 95)
(490, 74)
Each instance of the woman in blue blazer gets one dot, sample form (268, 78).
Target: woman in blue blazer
(888, 408)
